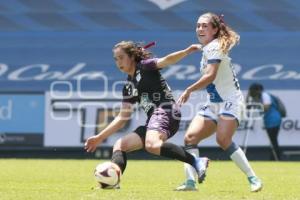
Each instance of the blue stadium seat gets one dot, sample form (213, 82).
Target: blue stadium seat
(62, 34)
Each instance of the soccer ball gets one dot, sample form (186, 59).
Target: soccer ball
(107, 174)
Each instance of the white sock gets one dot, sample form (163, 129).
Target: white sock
(189, 170)
(242, 162)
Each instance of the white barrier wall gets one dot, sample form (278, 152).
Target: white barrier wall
(71, 118)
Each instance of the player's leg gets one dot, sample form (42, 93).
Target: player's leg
(162, 125)
(200, 128)
(226, 128)
(155, 144)
(273, 136)
(126, 144)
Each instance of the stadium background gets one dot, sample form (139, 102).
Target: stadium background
(56, 64)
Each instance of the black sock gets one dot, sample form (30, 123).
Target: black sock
(119, 157)
(192, 149)
(170, 150)
(188, 147)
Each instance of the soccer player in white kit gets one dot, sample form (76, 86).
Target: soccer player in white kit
(222, 112)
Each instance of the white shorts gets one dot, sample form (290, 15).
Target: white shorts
(231, 107)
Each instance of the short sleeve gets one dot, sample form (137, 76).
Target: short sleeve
(149, 64)
(266, 99)
(213, 53)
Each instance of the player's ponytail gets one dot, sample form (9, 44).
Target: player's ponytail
(226, 35)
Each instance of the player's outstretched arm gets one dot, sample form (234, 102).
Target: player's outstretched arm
(118, 123)
(175, 57)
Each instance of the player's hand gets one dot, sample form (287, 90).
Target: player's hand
(194, 47)
(92, 143)
(184, 97)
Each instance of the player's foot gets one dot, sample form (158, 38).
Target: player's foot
(188, 185)
(201, 165)
(255, 184)
(117, 187)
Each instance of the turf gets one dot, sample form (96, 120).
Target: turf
(73, 179)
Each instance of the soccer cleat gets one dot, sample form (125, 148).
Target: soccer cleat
(201, 165)
(255, 184)
(189, 185)
(117, 187)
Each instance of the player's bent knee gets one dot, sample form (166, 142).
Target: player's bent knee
(224, 142)
(190, 139)
(120, 145)
(153, 147)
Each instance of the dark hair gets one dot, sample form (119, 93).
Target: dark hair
(134, 49)
(256, 87)
(255, 91)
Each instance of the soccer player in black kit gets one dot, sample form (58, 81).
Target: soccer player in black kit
(147, 87)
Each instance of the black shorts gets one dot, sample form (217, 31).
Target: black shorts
(164, 120)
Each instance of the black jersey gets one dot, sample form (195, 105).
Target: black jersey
(147, 87)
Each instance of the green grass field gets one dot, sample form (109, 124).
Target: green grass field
(73, 179)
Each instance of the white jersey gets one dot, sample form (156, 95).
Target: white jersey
(225, 86)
